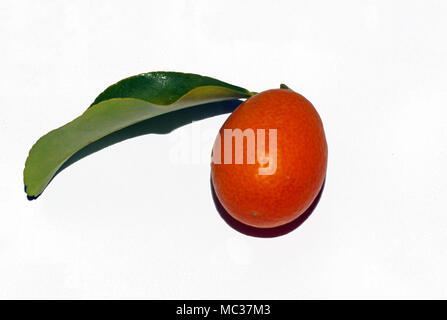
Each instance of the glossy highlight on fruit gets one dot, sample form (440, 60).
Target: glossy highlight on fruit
(267, 199)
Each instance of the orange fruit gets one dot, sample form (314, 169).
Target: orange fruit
(284, 178)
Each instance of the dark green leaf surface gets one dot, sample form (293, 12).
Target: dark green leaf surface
(123, 104)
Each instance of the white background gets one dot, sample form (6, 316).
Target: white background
(129, 222)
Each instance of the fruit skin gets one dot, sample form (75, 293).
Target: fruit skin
(267, 201)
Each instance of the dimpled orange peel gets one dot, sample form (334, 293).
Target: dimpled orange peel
(290, 159)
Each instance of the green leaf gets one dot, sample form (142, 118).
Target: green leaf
(125, 103)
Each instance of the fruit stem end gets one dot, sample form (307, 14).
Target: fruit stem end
(283, 86)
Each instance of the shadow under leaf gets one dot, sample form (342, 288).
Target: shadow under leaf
(161, 124)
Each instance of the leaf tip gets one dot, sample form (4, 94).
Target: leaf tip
(31, 197)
